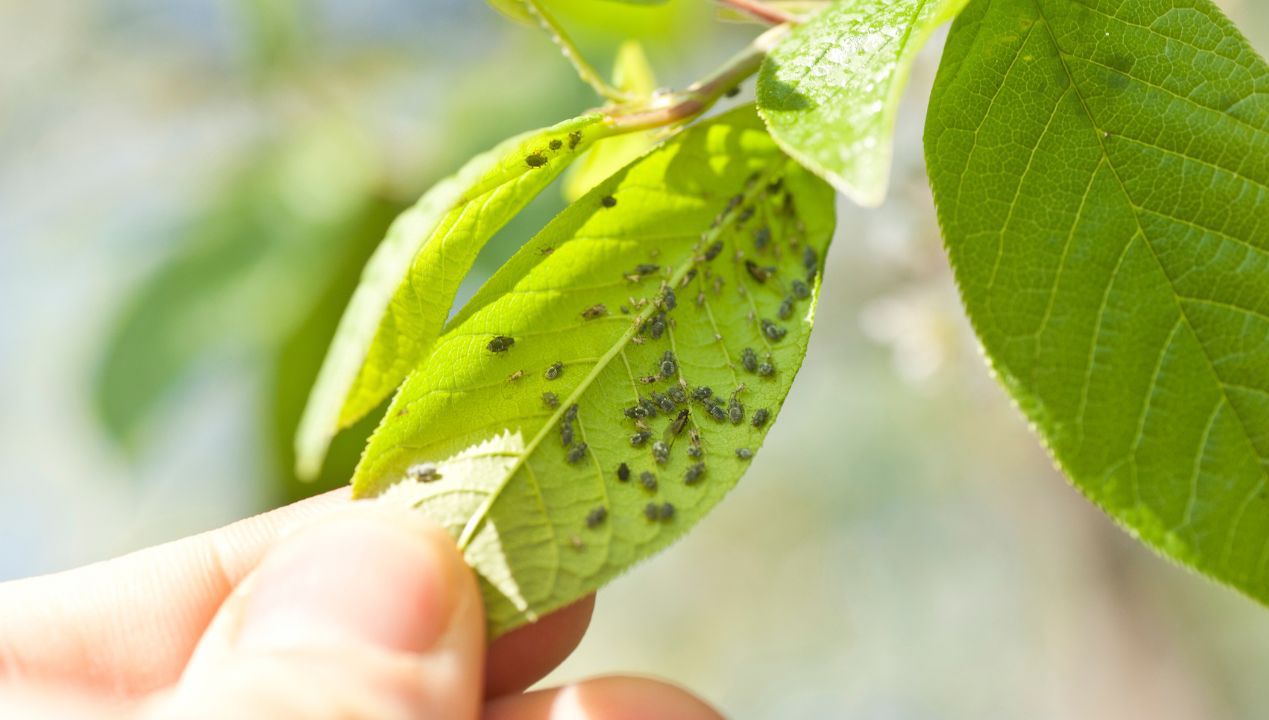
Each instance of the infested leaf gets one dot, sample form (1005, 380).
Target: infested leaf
(408, 286)
(591, 402)
(830, 90)
(1101, 171)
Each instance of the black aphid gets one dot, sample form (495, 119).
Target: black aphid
(633, 412)
(624, 310)
(639, 438)
(550, 399)
(597, 310)
(577, 452)
(574, 138)
(734, 201)
(649, 408)
(744, 453)
(745, 213)
(623, 472)
(667, 511)
(571, 413)
(566, 433)
(669, 365)
(766, 369)
(648, 480)
(702, 393)
(500, 343)
(423, 472)
(648, 379)
(736, 412)
(688, 277)
(713, 250)
(786, 308)
(810, 260)
(660, 452)
(668, 300)
(556, 144)
(535, 160)
(761, 237)
(758, 272)
(645, 269)
(608, 201)
(596, 517)
(717, 412)
(773, 332)
(749, 359)
(680, 422)
(694, 473)
(677, 394)
(554, 371)
(652, 512)
(732, 91)
(695, 451)
(760, 417)
(666, 404)
(657, 327)
(775, 185)
(801, 290)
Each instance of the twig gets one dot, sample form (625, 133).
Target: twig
(561, 39)
(761, 11)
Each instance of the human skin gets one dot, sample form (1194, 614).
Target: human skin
(323, 609)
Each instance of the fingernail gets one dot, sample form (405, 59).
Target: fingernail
(370, 578)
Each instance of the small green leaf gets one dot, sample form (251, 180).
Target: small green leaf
(1101, 171)
(632, 74)
(409, 284)
(575, 314)
(830, 90)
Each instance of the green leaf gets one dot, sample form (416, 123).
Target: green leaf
(830, 90)
(408, 286)
(1101, 171)
(508, 491)
(632, 74)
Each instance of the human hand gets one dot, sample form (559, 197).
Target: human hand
(361, 612)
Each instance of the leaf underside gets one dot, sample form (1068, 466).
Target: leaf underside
(1101, 171)
(543, 529)
(829, 92)
(408, 287)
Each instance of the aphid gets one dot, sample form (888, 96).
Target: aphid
(660, 452)
(734, 202)
(744, 453)
(566, 433)
(716, 412)
(500, 343)
(786, 308)
(758, 272)
(576, 453)
(648, 379)
(687, 278)
(761, 237)
(700, 298)
(535, 160)
(774, 186)
(623, 472)
(736, 412)
(546, 250)
(677, 394)
(749, 359)
(668, 300)
(773, 332)
(732, 91)
(667, 511)
(702, 393)
(639, 438)
(645, 269)
(649, 407)
(810, 260)
(571, 413)
(515, 376)
(669, 365)
(695, 451)
(648, 480)
(423, 472)
(554, 371)
(680, 422)
(657, 328)
(556, 144)
(550, 399)
(633, 412)
(766, 369)
(713, 250)
(596, 517)
(694, 473)
(800, 289)
(597, 310)
(652, 511)
(608, 201)
(666, 404)
(718, 285)
(624, 310)
(574, 138)
(745, 213)
(760, 417)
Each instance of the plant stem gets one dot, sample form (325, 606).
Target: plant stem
(761, 11)
(561, 39)
(701, 95)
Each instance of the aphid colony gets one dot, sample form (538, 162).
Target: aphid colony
(683, 406)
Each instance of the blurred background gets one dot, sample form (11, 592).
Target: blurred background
(188, 190)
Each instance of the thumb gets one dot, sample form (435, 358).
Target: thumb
(369, 614)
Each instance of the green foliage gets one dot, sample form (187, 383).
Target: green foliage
(409, 284)
(829, 92)
(1101, 171)
(524, 501)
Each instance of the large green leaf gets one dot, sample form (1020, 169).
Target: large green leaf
(1102, 177)
(576, 295)
(408, 287)
(830, 90)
